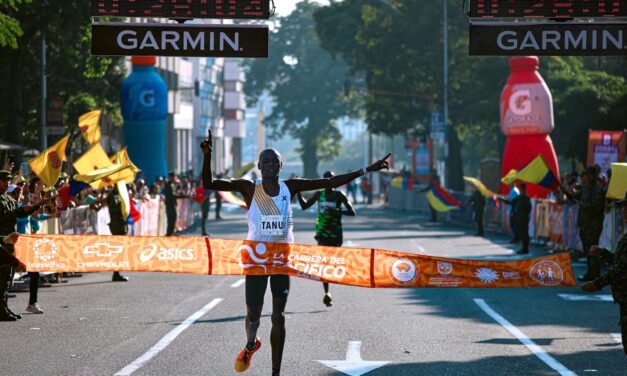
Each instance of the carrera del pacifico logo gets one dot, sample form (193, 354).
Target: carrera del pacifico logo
(547, 273)
(404, 271)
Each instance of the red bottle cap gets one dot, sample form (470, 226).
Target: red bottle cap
(524, 63)
(144, 60)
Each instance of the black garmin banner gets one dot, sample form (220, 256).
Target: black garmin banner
(179, 40)
(548, 38)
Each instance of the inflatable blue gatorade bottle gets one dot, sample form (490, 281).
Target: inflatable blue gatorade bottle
(144, 100)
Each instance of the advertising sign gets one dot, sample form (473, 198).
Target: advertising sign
(548, 38)
(179, 40)
(547, 8)
(247, 9)
(605, 148)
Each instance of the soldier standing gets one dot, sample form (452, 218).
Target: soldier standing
(9, 212)
(479, 204)
(615, 276)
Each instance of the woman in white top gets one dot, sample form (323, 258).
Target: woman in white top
(270, 219)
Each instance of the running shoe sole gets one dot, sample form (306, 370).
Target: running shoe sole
(245, 357)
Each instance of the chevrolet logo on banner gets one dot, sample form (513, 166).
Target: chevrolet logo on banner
(131, 39)
(548, 38)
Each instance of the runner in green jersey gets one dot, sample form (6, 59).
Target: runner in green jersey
(329, 222)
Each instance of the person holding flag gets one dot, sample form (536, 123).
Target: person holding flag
(522, 212)
(270, 220)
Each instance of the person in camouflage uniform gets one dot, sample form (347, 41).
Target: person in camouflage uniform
(329, 223)
(591, 200)
(9, 212)
(615, 276)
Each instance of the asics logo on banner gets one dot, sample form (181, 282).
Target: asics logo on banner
(166, 254)
(45, 249)
(147, 98)
(247, 253)
(519, 103)
(103, 249)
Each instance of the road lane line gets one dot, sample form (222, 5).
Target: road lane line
(239, 282)
(617, 337)
(165, 341)
(535, 349)
(590, 297)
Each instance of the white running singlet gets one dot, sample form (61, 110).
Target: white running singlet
(270, 218)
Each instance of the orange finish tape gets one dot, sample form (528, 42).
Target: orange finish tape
(364, 267)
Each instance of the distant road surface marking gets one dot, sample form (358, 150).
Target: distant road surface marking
(522, 337)
(581, 297)
(239, 282)
(165, 341)
(617, 337)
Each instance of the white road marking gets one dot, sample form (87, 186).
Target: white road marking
(239, 282)
(617, 337)
(535, 349)
(353, 365)
(582, 297)
(165, 341)
(350, 243)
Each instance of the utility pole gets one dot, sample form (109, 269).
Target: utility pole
(43, 136)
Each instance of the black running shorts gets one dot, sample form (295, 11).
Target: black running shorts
(256, 288)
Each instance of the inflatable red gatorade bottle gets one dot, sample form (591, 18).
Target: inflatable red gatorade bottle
(527, 121)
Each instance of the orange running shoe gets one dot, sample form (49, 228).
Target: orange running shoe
(245, 357)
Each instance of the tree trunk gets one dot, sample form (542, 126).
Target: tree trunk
(309, 157)
(455, 169)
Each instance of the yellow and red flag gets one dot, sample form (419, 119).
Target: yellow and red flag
(93, 159)
(88, 123)
(47, 165)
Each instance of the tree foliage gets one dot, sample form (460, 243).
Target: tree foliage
(72, 73)
(306, 84)
(397, 46)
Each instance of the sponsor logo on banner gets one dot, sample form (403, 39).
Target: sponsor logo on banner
(103, 250)
(486, 275)
(404, 272)
(259, 257)
(511, 275)
(317, 267)
(45, 250)
(547, 273)
(166, 254)
(445, 268)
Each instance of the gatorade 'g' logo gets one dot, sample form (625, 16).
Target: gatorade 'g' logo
(519, 102)
(54, 159)
(147, 98)
(403, 271)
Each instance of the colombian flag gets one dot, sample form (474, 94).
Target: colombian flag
(440, 200)
(88, 125)
(536, 172)
(47, 165)
(480, 186)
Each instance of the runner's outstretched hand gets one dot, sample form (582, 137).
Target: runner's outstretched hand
(205, 146)
(380, 164)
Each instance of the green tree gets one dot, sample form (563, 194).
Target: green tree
(10, 28)
(306, 84)
(71, 70)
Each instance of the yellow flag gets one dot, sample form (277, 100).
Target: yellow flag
(618, 181)
(93, 159)
(124, 198)
(105, 174)
(127, 175)
(244, 170)
(88, 124)
(480, 186)
(47, 165)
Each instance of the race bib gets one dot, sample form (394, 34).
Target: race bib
(273, 225)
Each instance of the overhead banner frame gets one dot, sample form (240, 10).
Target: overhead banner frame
(220, 9)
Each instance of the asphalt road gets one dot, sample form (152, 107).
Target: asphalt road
(168, 324)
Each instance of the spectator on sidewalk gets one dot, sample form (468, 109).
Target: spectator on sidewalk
(478, 202)
(616, 276)
(171, 205)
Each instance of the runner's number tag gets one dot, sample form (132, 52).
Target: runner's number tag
(273, 225)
